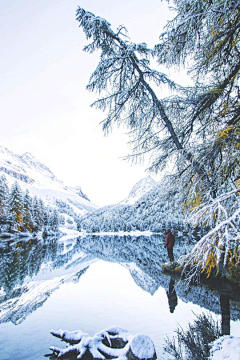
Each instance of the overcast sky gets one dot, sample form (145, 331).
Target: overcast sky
(45, 108)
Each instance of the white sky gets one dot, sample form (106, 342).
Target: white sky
(45, 108)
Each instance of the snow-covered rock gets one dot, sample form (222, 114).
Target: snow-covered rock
(139, 189)
(31, 174)
(225, 348)
(113, 342)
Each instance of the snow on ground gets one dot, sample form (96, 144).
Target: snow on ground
(225, 348)
(69, 234)
(67, 231)
(120, 233)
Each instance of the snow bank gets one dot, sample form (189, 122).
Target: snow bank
(226, 347)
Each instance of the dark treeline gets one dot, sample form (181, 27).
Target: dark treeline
(19, 212)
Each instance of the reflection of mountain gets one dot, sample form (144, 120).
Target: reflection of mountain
(30, 271)
(148, 255)
(25, 299)
(142, 279)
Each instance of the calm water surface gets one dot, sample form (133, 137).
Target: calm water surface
(92, 283)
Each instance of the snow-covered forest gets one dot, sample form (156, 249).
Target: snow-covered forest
(155, 211)
(21, 213)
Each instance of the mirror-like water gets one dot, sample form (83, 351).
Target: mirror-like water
(92, 283)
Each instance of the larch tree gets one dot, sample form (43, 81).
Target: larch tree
(204, 36)
(197, 127)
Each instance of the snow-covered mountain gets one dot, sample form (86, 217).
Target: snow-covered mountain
(139, 189)
(31, 174)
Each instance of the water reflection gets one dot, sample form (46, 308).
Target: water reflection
(31, 270)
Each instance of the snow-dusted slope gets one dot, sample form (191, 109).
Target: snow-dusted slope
(139, 189)
(39, 180)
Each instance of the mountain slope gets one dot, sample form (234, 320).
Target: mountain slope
(31, 174)
(139, 189)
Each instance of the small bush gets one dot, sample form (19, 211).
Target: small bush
(193, 343)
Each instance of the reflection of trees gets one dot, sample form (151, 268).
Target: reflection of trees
(24, 259)
(19, 260)
(148, 254)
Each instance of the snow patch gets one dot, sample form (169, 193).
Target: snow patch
(225, 348)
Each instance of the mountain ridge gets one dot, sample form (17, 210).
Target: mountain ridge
(35, 176)
(138, 190)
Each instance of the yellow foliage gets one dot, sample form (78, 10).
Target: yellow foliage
(224, 132)
(210, 264)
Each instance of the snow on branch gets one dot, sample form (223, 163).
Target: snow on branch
(220, 246)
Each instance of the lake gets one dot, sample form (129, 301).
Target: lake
(90, 283)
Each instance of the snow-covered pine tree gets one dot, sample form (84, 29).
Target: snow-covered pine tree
(36, 212)
(27, 212)
(46, 222)
(15, 208)
(54, 221)
(41, 212)
(4, 193)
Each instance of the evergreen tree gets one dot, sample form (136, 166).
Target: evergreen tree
(27, 212)
(4, 193)
(41, 212)
(36, 214)
(15, 206)
(46, 217)
(54, 221)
